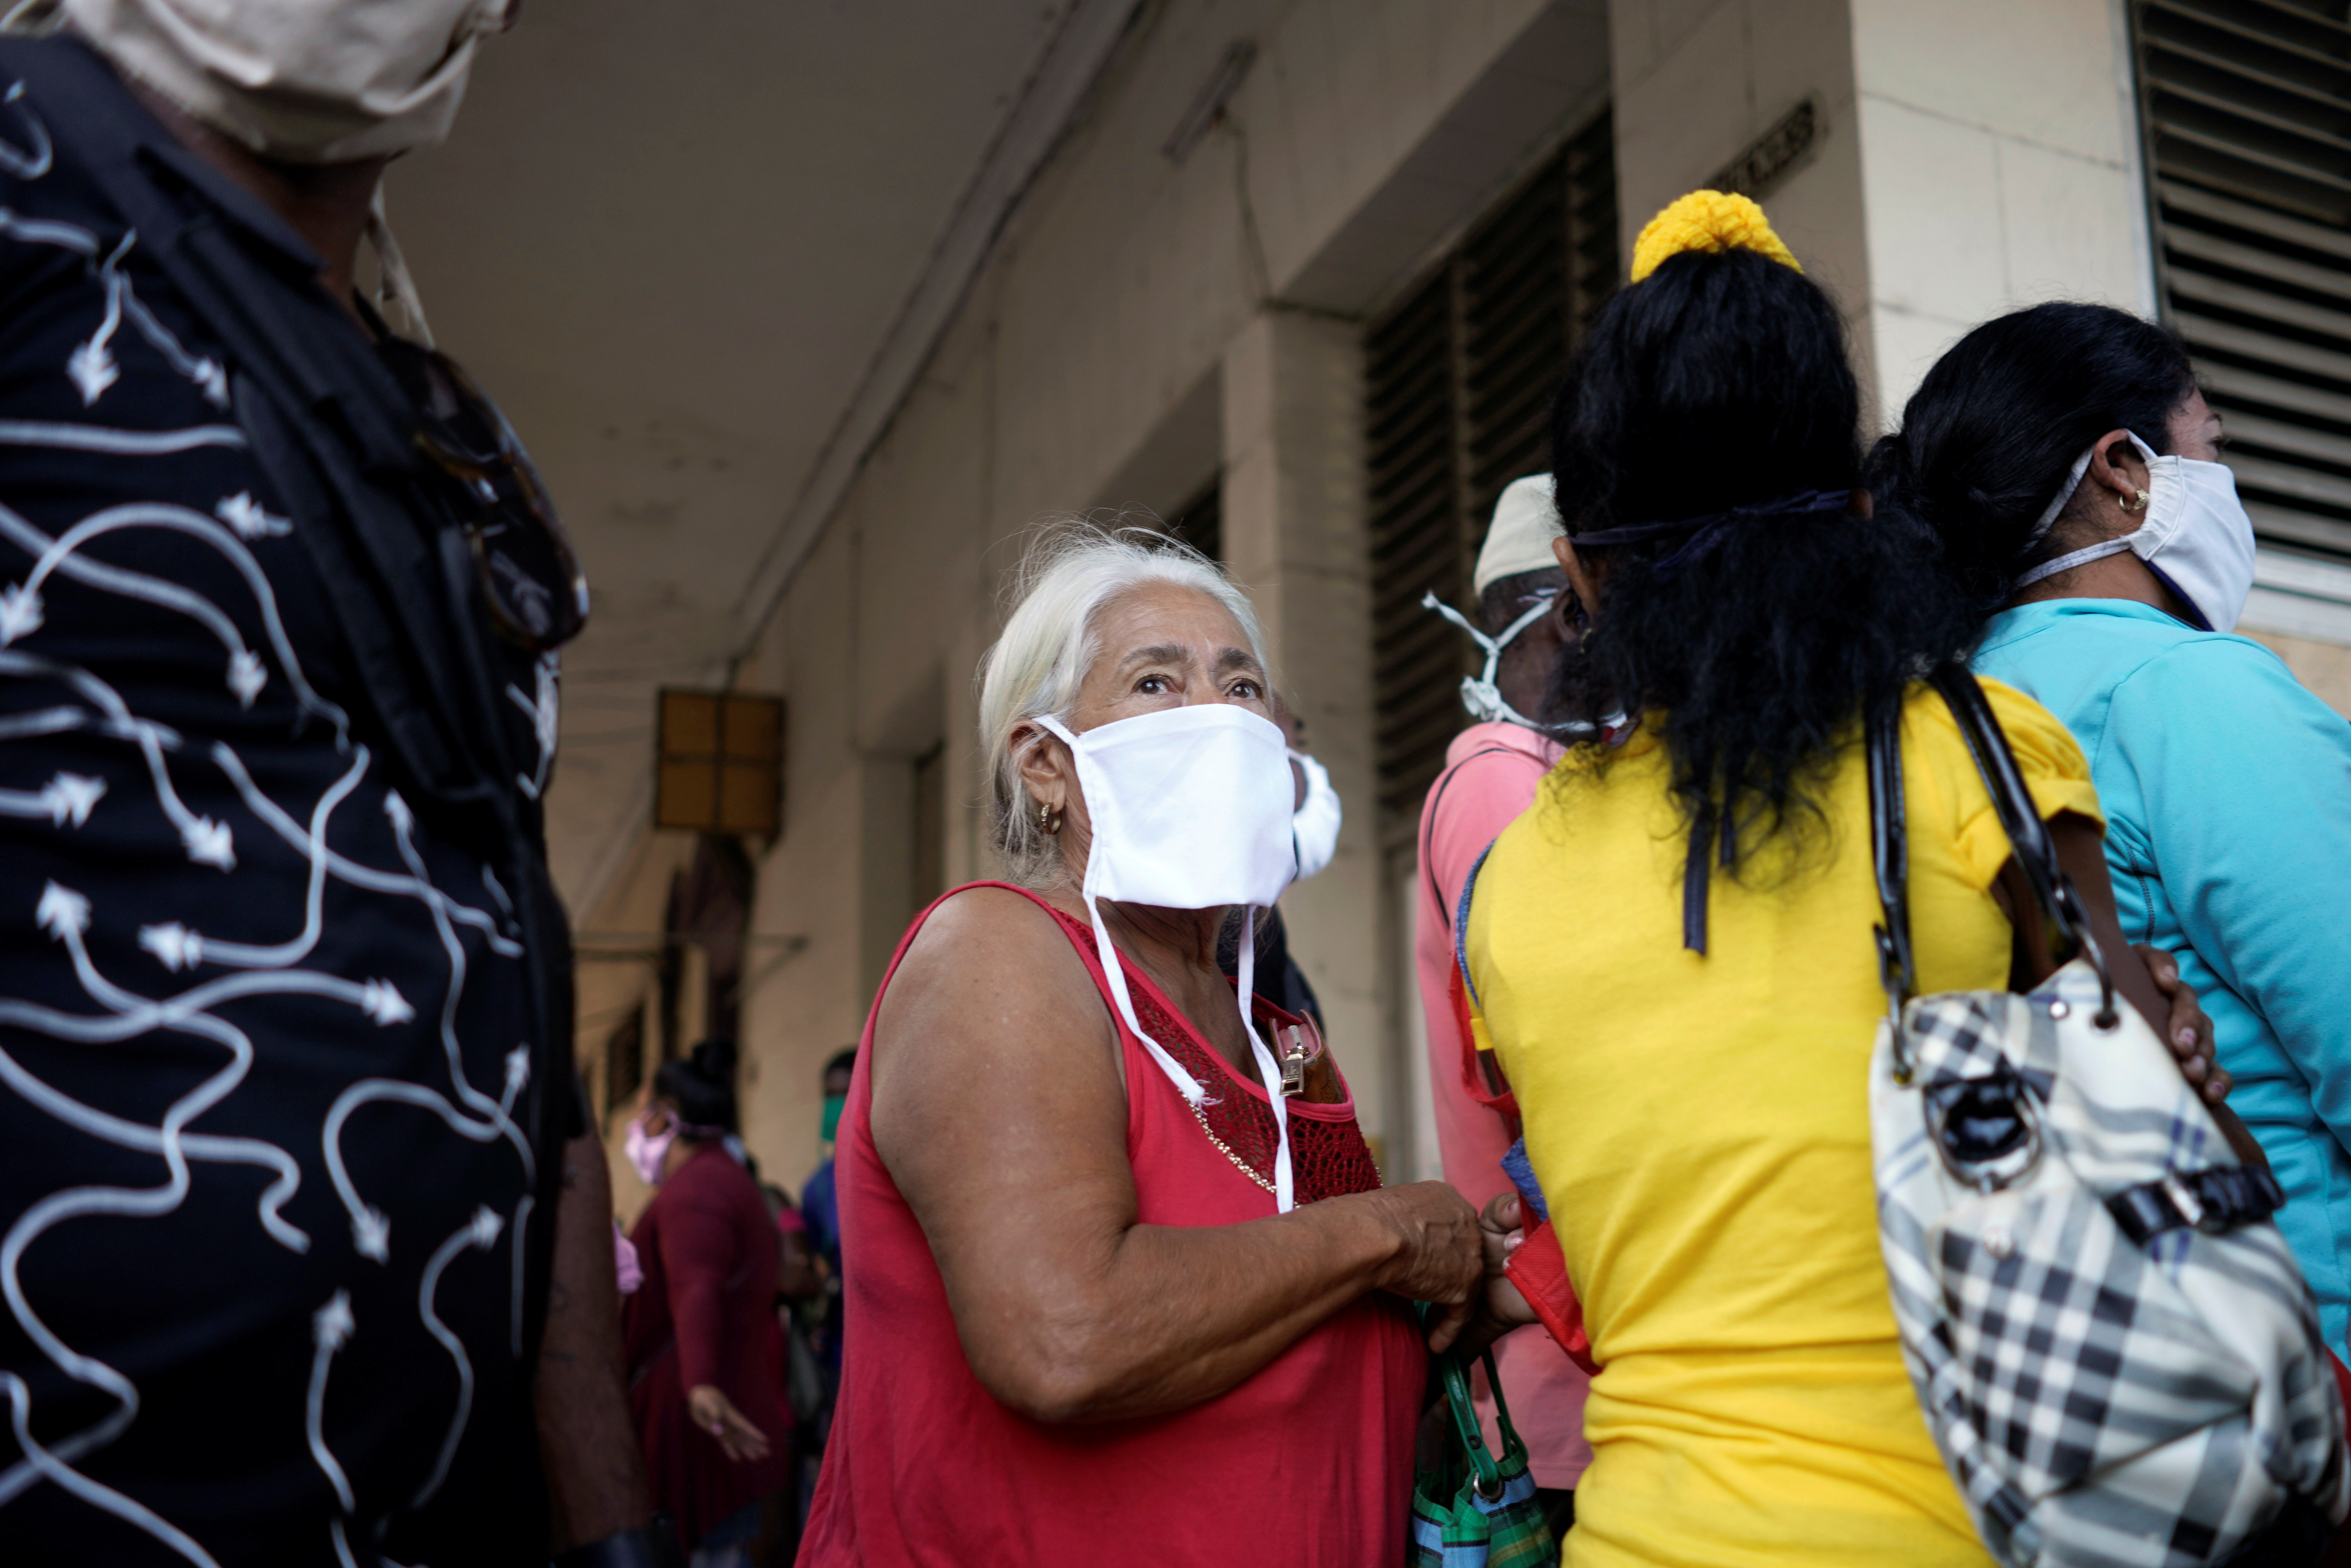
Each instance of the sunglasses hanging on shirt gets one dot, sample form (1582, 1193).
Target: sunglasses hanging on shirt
(530, 578)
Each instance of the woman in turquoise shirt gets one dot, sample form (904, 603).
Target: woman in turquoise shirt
(2070, 467)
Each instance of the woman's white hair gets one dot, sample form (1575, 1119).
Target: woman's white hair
(1072, 570)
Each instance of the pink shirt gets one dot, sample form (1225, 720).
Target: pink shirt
(1490, 774)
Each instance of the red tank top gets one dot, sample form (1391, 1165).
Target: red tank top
(1306, 1463)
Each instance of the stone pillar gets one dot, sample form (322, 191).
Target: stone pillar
(2000, 160)
(1295, 537)
(1973, 158)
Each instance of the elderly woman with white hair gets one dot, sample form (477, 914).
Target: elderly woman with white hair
(1120, 1276)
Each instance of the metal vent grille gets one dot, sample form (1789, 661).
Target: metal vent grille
(2247, 107)
(1459, 376)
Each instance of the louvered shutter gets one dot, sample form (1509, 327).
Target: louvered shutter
(2247, 109)
(1459, 378)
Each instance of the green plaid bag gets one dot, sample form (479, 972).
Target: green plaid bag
(1470, 1509)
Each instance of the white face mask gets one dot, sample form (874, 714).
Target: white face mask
(306, 81)
(1316, 823)
(648, 1152)
(1190, 809)
(2195, 537)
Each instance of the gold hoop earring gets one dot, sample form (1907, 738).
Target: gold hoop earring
(1048, 821)
(2143, 500)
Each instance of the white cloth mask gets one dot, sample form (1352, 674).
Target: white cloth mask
(1316, 821)
(1190, 809)
(2195, 538)
(305, 81)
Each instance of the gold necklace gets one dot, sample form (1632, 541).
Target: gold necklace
(1226, 1149)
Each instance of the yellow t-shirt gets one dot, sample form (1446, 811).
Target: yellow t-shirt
(1701, 1127)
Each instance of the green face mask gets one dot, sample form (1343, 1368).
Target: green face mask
(834, 1106)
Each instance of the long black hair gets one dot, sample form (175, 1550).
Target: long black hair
(1720, 384)
(703, 1085)
(1988, 436)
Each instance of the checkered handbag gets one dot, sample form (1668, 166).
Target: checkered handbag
(2114, 1347)
(1472, 1507)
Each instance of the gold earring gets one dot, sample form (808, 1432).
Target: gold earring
(1048, 821)
(2143, 500)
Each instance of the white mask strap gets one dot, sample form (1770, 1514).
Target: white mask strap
(1480, 695)
(2098, 551)
(1114, 971)
(2074, 482)
(1267, 1069)
(2057, 503)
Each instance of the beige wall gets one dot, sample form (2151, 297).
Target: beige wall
(1999, 167)
(1978, 156)
(1697, 83)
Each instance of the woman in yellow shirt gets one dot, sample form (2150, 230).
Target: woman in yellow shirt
(1671, 951)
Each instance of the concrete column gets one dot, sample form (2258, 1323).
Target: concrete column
(1695, 86)
(1295, 537)
(2000, 167)
(1975, 158)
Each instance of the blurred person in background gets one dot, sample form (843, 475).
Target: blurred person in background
(2070, 468)
(820, 1208)
(704, 1352)
(796, 1274)
(307, 1239)
(1492, 772)
(1127, 1282)
(799, 1281)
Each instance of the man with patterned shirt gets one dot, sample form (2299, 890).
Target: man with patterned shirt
(305, 1246)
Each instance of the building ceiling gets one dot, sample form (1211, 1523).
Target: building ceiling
(673, 240)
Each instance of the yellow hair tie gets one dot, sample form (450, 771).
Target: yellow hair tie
(1709, 221)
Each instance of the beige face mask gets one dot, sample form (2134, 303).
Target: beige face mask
(305, 81)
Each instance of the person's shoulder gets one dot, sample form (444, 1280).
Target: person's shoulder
(2227, 700)
(2044, 746)
(1487, 781)
(715, 1170)
(1500, 742)
(2212, 665)
(983, 923)
(49, 88)
(992, 939)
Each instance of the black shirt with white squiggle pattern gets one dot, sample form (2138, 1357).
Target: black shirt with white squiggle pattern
(262, 1028)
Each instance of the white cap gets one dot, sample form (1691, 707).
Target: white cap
(1526, 519)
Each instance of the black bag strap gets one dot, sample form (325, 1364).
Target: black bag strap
(2028, 836)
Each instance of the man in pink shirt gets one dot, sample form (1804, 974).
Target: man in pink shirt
(1490, 774)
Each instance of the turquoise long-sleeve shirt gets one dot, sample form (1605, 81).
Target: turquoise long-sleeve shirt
(2227, 789)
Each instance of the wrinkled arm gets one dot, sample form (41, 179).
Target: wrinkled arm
(595, 1474)
(998, 1111)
